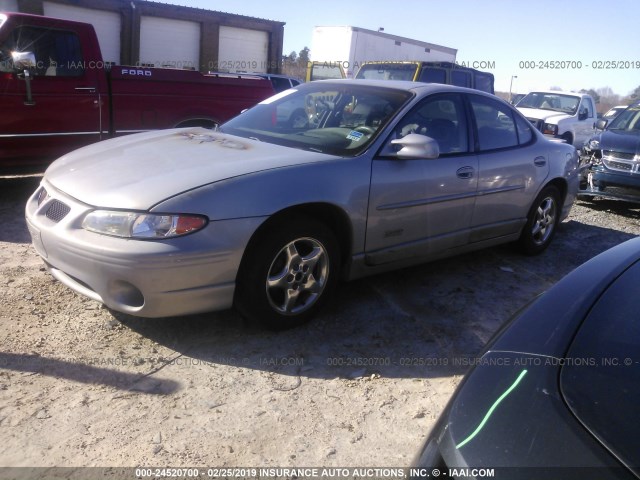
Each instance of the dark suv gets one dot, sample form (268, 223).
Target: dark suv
(428, 72)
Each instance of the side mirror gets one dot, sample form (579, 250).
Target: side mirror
(601, 124)
(416, 146)
(23, 60)
(582, 115)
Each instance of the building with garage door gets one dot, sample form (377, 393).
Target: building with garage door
(137, 32)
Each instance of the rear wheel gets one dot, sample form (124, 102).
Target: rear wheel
(542, 222)
(288, 273)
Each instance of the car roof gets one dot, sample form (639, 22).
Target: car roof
(408, 85)
(560, 92)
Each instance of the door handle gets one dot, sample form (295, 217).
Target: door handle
(539, 161)
(465, 172)
(93, 89)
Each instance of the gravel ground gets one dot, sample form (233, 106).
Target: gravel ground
(359, 386)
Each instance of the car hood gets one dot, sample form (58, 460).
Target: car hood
(138, 171)
(620, 141)
(542, 114)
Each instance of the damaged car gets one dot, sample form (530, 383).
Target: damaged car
(610, 160)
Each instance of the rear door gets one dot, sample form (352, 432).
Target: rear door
(420, 207)
(57, 108)
(512, 168)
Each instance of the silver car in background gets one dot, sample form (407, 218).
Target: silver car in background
(268, 215)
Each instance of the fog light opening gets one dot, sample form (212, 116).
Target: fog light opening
(127, 294)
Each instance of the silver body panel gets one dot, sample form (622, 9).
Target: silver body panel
(399, 212)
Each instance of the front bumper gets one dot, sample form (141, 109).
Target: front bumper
(598, 181)
(161, 278)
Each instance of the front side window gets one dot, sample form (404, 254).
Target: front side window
(57, 52)
(587, 105)
(494, 122)
(442, 118)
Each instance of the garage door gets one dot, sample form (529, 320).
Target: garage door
(169, 43)
(107, 26)
(243, 50)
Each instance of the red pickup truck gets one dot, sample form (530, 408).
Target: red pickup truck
(56, 93)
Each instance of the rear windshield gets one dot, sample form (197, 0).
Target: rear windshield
(601, 376)
(388, 71)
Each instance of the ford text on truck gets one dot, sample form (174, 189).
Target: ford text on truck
(566, 115)
(56, 93)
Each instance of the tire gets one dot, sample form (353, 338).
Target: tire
(568, 137)
(542, 222)
(288, 272)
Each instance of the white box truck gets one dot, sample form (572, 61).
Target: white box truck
(351, 47)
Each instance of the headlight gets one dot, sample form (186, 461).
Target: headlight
(142, 225)
(550, 129)
(594, 144)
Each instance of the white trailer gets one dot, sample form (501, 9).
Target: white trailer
(352, 46)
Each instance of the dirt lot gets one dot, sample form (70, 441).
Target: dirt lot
(360, 386)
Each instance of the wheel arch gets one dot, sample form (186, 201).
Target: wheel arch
(561, 185)
(198, 122)
(329, 214)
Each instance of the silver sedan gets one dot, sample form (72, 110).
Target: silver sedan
(268, 214)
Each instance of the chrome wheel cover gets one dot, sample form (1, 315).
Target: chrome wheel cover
(297, 276)
(544, 221)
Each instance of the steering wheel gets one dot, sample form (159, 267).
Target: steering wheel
(365, 129)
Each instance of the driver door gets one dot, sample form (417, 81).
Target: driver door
(419, 207)
(57, 107)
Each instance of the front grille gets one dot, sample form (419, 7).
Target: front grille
(619, 155)
(613, 165)
(57, 211)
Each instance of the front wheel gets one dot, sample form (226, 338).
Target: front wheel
(542, 222)
(288, 273)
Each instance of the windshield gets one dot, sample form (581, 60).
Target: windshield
(613, 112)
(388, 71)
(550, 101)
(334, 118)
(627, 120)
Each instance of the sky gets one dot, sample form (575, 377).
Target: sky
(520, 39)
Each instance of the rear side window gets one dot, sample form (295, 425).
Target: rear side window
(57, 52)
(433, 75)
(483, 82)
(460, 78)
(494, 121)
(280, 84)
(525, 134)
